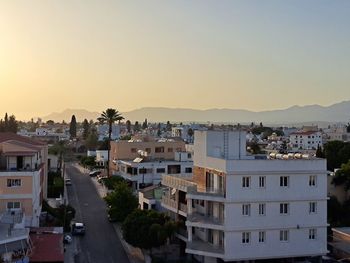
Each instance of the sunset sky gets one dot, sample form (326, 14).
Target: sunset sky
(255, 55)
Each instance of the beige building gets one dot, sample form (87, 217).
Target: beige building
(142, 161)
(23, 176)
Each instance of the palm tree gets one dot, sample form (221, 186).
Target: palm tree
(109, 116)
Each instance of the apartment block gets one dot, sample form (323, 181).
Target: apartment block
(23, 176)
(143, 161)
(239, 207)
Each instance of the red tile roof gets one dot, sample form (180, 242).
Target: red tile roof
(6, 136)
(47, 247)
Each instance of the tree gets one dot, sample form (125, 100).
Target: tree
(121, 201)
(128, 126)
(50, 122)
(12, 124)
(147, 229)
(59, 149)
(92, 140)
(136, 126)
(159, 132)
(73, 127)
(109, 116)
(6, 122)
(168, 126)
(336, 153)
(86, 128)
(319, 152)
(190, 133)
(145, 124)
(342, 176)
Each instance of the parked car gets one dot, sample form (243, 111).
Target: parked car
(67, 239)
(68, 181)
(78, 229)
(95, 173)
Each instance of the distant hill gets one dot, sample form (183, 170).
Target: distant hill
(339, 112)
(66, 115)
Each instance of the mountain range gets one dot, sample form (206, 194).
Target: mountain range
(339, 112)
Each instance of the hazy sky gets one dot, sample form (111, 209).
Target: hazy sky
(254, 55)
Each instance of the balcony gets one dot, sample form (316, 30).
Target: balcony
(205, 221)
(174, 206)
(199, 247)
(182, 234)
(209, 193)
(179, 182)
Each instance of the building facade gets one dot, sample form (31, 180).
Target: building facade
(23, 176)
(237, 207)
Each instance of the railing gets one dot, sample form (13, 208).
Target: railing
(206, 191)
(169, 202)
(204, 219)
(177, 182)
(183, 207)
(200, 245)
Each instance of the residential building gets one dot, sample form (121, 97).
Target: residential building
(240, 207)
(142, 161)
(337, 133)
(23, 176)
(306, 139)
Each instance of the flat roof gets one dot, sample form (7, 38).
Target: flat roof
(47, 247)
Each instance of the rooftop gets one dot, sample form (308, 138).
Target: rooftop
(47, 247)
(7, 136)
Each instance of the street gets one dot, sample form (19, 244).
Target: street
(100, 243)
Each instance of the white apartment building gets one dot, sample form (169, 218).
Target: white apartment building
(305, 140)
(144, 171)
(238, 208)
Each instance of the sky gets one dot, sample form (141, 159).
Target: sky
(239, 54)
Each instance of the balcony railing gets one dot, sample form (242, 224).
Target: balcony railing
(169, 202)
(177, 182)
(209, 191)
(205, 219)
(183, 207)
(205, 247)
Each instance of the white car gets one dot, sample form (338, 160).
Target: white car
(67, 181)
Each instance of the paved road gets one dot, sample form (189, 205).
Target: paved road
(100, 243)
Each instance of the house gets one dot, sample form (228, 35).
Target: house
(23, 176)
(143, 160)
(240, 207)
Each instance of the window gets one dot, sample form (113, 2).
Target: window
(189, 155)
(170, 150)
(14, 182)
(148, 150)
(188, 170)
(262, 235)
(262, 209)
(312, 180)
(246, 209)
(133, 150)
(284, 181)
(312, 233)
(245, 237)
(284, 235)
(312, 207)
(159, 149)
(284, 208)
(262, 180)
(13, 205)
(245, 182)
(160, 170)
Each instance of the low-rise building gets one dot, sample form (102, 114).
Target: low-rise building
(23, 176)
(305, 139)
